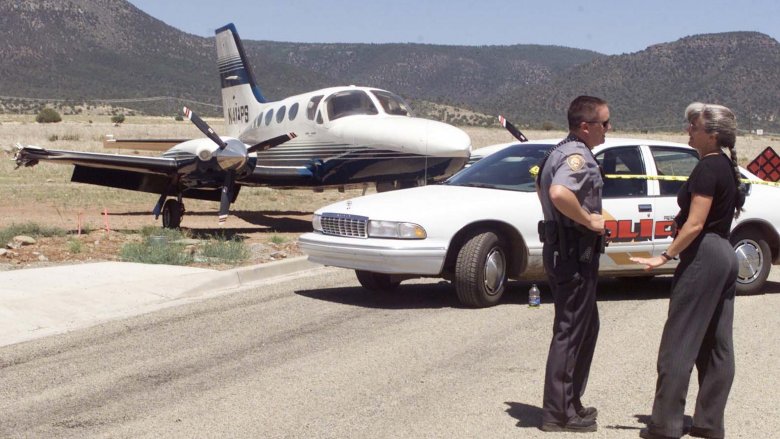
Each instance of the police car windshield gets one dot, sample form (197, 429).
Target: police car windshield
(507, 169)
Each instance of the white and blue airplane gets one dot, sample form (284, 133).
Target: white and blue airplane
(330, 137)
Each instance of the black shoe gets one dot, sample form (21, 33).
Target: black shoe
(703, 432)
(588, 413)
(646, 434)
(573, 425)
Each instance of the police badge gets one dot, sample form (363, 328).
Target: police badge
(575, 162)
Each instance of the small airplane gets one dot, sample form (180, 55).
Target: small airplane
(335, 136)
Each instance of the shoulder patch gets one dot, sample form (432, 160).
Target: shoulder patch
(575, 162)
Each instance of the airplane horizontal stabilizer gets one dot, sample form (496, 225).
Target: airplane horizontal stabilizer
(109, 142)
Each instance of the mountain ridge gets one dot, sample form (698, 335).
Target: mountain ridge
(85, 50)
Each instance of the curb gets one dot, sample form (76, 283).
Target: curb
(245, 276)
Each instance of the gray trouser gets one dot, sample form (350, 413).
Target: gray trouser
(575, 331)
(698, 331)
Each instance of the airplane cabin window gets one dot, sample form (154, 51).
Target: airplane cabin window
(311, 107)
(280, 114)
(392, 104)
(349, 103)
(269, 116)
(293, 111)
(258, 120)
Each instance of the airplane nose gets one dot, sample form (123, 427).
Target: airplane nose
(446, 140)
(410, 135)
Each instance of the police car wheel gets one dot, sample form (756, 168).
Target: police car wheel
(171, 214)
(754, 259)
(480, 270)
(376, 281)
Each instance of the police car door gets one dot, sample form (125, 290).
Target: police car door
(672, 165)
(627, 208)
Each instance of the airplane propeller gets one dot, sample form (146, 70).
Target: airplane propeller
(204, 127)
(229, 185)
(512, 129)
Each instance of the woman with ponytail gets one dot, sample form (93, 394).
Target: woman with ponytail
(698, 328)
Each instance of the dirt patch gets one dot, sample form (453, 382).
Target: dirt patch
(92, 235)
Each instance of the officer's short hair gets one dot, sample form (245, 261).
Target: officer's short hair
(715, 119)
(583, 109)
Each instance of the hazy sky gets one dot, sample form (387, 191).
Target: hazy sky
(606, 26)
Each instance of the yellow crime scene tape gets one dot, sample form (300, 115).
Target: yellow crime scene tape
(535, 170)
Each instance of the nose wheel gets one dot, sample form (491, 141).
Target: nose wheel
(173, 211)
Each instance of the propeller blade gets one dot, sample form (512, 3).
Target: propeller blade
(204, 127)
(512, 129)
(270, 143)
(226, 196)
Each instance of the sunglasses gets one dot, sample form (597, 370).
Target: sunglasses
(604, 124)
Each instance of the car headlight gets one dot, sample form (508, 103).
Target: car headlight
(393, 229)
(316, 222)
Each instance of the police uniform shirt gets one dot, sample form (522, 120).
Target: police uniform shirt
(571, 164)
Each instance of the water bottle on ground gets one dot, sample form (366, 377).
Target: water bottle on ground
(534, 297)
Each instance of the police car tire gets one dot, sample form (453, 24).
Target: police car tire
(480, 270)
(171, 214)
(753, 239)
(376, 281)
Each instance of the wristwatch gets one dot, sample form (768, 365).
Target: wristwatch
(666, 256)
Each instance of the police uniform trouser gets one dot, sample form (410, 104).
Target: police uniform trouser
(698, 331)
(575, 330)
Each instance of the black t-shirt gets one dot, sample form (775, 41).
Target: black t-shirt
(713, 176)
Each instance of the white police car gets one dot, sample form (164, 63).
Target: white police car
(479, 228)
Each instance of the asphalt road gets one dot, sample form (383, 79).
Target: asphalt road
(315, 356)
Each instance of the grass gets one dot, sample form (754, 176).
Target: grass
(276, 239)
(163, 246)
(29, 229)
(75, 246)
(148, 252)
(231, 251)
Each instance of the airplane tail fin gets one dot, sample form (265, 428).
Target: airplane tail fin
(241, 97)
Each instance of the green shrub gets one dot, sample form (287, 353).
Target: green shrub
(48, 115)
(153, 253)
(276, 239)
(74, 246)
(179, 118)
(231, 251)
(119, 118)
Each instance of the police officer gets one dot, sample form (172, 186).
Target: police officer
(569, 187)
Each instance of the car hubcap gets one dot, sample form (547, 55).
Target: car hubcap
(750, 260)
(495, 268)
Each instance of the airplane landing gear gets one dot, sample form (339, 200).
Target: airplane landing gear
(173, 211)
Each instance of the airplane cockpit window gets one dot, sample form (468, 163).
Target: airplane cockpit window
(349, 103)
(392, 104)
(269, 116)
(293, 111)
(280, 114)
(311, 107)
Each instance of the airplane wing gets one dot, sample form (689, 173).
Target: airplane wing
(31, 155)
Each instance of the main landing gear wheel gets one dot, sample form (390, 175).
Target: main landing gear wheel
(376, 281)
(480, 271)
(754, 259)
(172, 213)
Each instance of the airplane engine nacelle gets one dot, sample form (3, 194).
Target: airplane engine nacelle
(205, 152)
